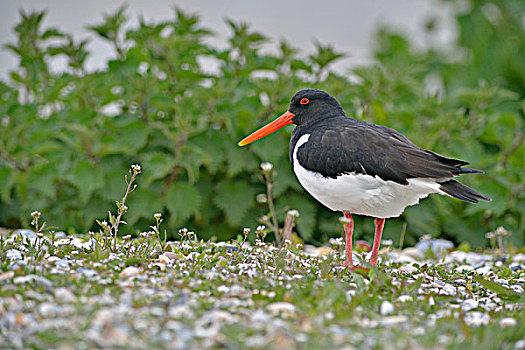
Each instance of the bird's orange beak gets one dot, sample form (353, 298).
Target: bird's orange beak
(282, 121)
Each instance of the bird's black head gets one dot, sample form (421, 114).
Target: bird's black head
(310, 105)
(307, 107)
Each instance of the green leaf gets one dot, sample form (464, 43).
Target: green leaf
(156, 166)
(502, 292)
(414, 286)
(182, 201)
(132, 137)
(86, 177)
(235, 199)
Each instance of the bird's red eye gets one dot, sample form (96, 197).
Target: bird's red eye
(304, 101)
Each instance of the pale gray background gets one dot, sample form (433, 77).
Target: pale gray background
(348, 25)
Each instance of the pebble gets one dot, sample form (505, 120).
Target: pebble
(26, 235)
(48, 310)
(181, 312)
(484, 270)
(437, 246)
(64, 295)
(164, 259)
(507, 322)
(62, 264)
(405, 298)
(7, 275)
(39, 280)
(393, 320)
(476, 319)
(413, 253)
(60, 234)
(407, 268)
(386, 308)
(14, 254)
(259, 317)
(281, 308)
(170, 255)
(87, 272)
(469, 304)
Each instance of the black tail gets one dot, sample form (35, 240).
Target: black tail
(458, 190)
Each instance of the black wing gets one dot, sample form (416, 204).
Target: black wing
(344, 145)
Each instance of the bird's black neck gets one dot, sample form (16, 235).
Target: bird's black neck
(305, 128)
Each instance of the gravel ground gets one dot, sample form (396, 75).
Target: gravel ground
(70, 293)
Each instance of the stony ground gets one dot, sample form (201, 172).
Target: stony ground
(73, 293)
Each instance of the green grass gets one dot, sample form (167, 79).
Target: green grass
(206, 294)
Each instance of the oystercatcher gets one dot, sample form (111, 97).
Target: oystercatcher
(362, 168)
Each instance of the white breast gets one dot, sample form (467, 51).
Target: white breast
(363, 194)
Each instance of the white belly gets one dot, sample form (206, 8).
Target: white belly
(363, 194)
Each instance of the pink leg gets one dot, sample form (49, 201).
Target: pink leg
(349, 231)
(379, 223)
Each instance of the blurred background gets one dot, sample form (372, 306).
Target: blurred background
(88, 89)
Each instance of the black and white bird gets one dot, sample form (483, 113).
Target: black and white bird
(362, 168)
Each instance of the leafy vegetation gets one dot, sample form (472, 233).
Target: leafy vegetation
(67, 138)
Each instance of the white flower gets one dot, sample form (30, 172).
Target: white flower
(261, 198)
(294, 213)
(35, 214)
(157, 216)
(266, 166)
(136, 168)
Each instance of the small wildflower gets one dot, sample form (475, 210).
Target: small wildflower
(260, 228)
(91, 233)
(136, 168)
(261, 198)
(489, 235)
(246, 231)
(126, 237)
(501, 231)
(36, 214)
(293, 213)
(266, 167)
(143, 234)
(387, 242)
(151, 233)
(157, 216)
(183, 231)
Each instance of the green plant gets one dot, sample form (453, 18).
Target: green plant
(67, 137)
